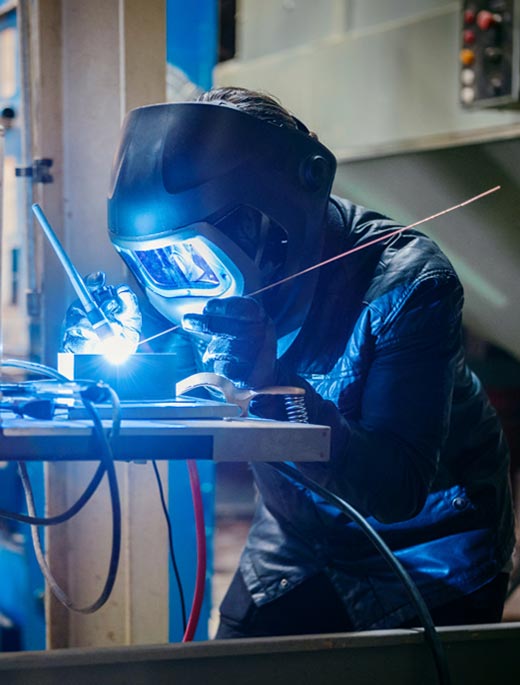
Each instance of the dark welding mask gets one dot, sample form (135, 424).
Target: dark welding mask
(209, 201)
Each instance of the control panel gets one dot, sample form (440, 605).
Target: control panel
(489, 53)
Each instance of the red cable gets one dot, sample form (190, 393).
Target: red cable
(200, 530)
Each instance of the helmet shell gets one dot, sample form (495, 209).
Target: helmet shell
(179, 164)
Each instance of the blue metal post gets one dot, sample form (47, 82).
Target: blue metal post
(191, 38)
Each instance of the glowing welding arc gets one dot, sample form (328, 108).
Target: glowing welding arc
(93, 311)
(377, 240)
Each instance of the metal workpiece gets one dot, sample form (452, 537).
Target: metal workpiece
(143, 377)
(181, 428)
(242, 397)
(477, 655)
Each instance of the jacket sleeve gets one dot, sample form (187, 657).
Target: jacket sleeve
(385, 460)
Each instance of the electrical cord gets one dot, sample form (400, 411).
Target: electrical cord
(90, 394)
(93, 390)
(59, 518)
(36, 368)
(170, 541)
(431, 634)
(55, 588)
(200, 533)
(200, 530)
(33, 409)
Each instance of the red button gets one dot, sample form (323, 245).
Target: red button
(485, 20)
(469, 37)
(469, 16)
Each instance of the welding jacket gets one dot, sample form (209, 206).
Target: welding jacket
(416, 446)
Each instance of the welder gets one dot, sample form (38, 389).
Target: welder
(213, 202)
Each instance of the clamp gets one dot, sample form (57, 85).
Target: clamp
(293, 397)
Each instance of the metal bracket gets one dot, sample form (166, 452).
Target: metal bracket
(33, 301)
(39, 171)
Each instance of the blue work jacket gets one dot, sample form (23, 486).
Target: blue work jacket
(416, 446)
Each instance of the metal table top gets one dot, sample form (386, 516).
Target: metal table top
(225, 439)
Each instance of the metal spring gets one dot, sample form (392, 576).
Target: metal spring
(295, 408)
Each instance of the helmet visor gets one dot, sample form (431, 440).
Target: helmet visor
(181, 267)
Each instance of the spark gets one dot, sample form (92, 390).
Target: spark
(351, 251)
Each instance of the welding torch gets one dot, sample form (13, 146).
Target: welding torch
(93, 310)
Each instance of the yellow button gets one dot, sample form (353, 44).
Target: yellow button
(467, 57)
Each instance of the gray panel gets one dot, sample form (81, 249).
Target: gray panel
(366, 13)
(381, 86)
(273, 25)
(482, 239)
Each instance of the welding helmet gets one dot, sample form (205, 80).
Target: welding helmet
(209, 201)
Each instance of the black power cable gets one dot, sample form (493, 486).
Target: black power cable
(64, 516)
(430, 633)
(107, 460)
(92, 389)
(172, 549)
(92, 393)
(59, 518)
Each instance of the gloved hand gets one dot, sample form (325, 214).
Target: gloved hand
(121, 308)
(243, 340)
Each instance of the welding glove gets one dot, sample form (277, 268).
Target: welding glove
(242, 344)
(119, 305)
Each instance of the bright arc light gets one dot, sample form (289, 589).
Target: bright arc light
(117, 349)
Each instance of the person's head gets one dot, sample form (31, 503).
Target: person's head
(256, 103)
(221, 196)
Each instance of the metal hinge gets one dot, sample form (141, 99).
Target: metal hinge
(39, 171)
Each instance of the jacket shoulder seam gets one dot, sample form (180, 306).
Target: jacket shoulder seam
(407, 292)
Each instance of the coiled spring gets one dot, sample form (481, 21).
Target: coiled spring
(295, 408)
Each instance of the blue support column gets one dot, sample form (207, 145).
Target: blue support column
(191, 38)
(184, 540)
(191, 46)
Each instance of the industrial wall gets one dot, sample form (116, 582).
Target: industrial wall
(369, 76)
(380, 82)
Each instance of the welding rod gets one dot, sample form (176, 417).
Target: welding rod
(93, 311)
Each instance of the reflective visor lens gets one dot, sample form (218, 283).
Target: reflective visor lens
(183, 267)
(177, 266)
